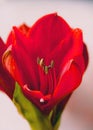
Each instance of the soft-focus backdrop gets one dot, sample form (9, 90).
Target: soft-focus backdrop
(78, 114)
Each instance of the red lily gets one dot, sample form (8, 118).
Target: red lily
(6, 80)
(48, 61)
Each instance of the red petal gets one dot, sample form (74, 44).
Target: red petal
(11, 66)
(77, 45)
(75, 52)
(11, 38)
(77, 40)
(68, 82)
(6, 81)
(25, 64)
(24, 29)
(59, 53)
(2, 48)
(80, 62)
(35, 96)
(69, 48)
(24, 42)
(47, 33)
(79, 51)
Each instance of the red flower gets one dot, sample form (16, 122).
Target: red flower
(48, 60)
(6, 80)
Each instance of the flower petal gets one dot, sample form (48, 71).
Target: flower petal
(67, 49)
(68, 82)
(36, 97)
(10, 65)
(59, 53)
(2, 48)
(19, 66)
(47, 33)
(6, 80)
(24, 29)
(77, 46)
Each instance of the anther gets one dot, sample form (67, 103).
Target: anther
(40, 61)
(45, 67)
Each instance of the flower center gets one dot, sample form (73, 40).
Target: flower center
(47, 78)
(43, 66)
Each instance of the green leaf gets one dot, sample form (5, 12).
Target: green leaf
(36, 119)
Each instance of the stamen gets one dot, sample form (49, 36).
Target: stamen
(45, 68)
(42, 100)
(40, 61)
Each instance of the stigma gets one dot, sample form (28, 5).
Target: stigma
(43, 66)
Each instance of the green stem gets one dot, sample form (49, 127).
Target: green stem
(37, 120)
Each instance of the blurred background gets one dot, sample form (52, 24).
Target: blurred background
(78, 114)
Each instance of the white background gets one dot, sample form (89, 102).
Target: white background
(78, 114)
